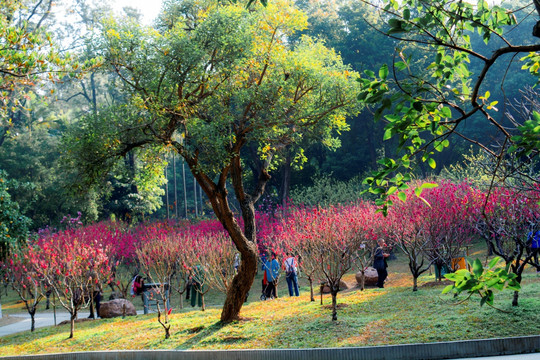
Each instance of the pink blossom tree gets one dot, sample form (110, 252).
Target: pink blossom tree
(72, 268)
(367, 225)
(431, 224)
(447, 221)
(503, 218)
(327, 239)
(404, 229)
(158, 258)
(28, 283)
(215, 253)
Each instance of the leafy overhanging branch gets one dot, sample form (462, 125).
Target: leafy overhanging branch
(421, 108)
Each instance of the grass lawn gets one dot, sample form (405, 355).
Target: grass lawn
(393, 315)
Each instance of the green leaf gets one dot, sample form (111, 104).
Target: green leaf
(463, 272)
(369, 73)
(446, 112)
(483, 301)
(383, 72)
(418, 106)
(448, 289)
(406, 14)
(388, 134)
(432, 163)
(429, 185)
(494, 262)
(402, 196)
(478, 269)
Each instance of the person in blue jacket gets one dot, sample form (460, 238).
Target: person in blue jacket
(271, 267)
(533, 241)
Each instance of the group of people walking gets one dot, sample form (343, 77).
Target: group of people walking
(271, 268)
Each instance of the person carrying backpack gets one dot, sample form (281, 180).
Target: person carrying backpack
(291, 274)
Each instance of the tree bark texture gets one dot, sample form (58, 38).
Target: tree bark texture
(244, 239)
(72, 325)
(334, 302)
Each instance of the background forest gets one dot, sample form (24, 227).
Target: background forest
(43, 121)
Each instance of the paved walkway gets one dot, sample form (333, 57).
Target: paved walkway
(42, 320)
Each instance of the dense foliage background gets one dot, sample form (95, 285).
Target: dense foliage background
(42, 113)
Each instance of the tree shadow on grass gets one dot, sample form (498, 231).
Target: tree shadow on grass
(202, 333)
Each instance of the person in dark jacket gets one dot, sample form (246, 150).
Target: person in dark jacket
(379, 262)
(533, 242)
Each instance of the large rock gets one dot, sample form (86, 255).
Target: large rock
(115, 308)
(370, 277)
(342, 286)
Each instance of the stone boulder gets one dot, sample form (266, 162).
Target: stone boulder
(370, 277)
(342, 286)
(115, 308)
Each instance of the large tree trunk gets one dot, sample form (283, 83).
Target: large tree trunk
(244, 239)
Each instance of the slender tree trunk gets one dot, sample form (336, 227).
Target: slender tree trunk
(3, 135)
(334, 302)
(201, 199)
(518, 272)
(195, 197)
(515, 299)
(415, 283)
(184, 183)
(181, 298)
(310, 279)
(33, 320)
(175, 188)
(165, 325)
(93, 88)
(167, 192)
(286, 181)
(72, 324)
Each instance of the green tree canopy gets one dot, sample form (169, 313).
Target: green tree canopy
(212, 79)
(13, 225)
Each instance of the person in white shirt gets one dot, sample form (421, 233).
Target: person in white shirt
(291, 272)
